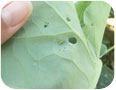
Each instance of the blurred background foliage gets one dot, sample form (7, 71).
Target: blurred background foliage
(107, 73)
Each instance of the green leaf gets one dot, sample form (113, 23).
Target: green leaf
(50, 51)
(94, 18)
(106, 77)
(105, 41)
(80, 8)
(107, 51)
(103, 49)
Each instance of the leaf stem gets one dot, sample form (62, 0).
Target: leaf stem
(110, 49)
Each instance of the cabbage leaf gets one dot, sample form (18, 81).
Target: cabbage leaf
(50, 51)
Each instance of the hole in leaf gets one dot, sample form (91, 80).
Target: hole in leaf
(46, 25)
(72, 40)
(68, 19)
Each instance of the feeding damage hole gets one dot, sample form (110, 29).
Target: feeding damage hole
(72, 40)
(46, 25)
(68, 19)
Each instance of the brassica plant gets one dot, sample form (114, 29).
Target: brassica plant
(58, 47)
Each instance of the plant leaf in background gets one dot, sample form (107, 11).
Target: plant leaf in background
(103, 49)
(105, 42)
(106, 77)
(81, 7)
(94, 21)
(51, 51)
